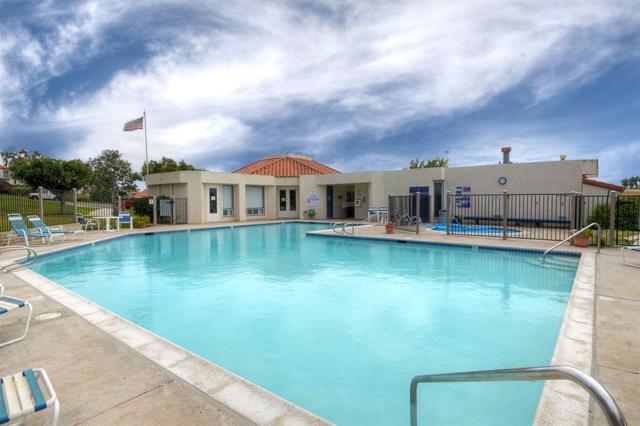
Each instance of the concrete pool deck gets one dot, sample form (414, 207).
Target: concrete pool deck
(102, 378)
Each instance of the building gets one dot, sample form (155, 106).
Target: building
(5, 175)
(296, 186)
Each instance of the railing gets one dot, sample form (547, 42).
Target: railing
(606, 402)
(31, 256)
(343, 226)
(599, 235)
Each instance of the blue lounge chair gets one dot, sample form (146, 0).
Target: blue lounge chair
(56, 229)
(20, 229)
(86, 224)
(632, 249)
(21, 395)
(125, 219)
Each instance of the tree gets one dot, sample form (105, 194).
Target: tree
(632, 182)
(58, 176)
(112, 175)
(166, 165)
(436, 162)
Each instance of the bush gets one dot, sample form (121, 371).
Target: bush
(84, 198)
(142, 207)
(628, 214)
(141, 221)
(601, 215)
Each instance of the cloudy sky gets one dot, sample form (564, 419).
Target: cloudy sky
(358, 84)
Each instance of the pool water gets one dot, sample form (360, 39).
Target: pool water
(471, 229)
(335, 325)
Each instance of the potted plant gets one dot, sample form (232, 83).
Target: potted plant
(388, 228)
(582, 239)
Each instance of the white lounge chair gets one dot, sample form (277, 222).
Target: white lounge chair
(21, 395)
(8, 304)
(125, 219)
(632, 249)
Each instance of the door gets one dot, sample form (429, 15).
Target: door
(287, 202)
(329, 202)
(213, 204)
(424, 202)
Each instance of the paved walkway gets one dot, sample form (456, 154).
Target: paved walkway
(617, 340)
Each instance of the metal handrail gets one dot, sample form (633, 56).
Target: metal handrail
(31, 256)
(604, 399)
(596, 224)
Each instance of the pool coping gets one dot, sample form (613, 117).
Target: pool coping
(251, 403)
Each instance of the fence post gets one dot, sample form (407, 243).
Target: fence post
(155, 210)
(75, 204)
(449, 215)
(418, 218)
(505, 213)
(572, 212)
(173, 209)
(613, 204)
(389, 208)
(119, 205)
(41, 202)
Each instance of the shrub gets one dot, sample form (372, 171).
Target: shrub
(601, 215)
(84, 198)
(142, 207)
(628, 214)
(141, 221)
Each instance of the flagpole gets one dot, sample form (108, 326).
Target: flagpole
(146, 145)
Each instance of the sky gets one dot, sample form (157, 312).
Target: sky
(357, 84)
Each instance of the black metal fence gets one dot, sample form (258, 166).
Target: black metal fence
(171, 210)
(409, 211)
(527, 216)
(627, 221)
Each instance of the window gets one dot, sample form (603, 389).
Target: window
(5, 173)
(438, 192)
(292, 200)
(213, 200)
(227, 200)
(255, 201)
(283, 200)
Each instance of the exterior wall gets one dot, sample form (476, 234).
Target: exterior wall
(373, 187)
(595, 190)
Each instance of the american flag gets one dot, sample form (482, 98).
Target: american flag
(133, 125)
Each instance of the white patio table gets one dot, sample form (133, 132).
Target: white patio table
(107, 220)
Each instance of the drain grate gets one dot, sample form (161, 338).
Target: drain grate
(48, 316)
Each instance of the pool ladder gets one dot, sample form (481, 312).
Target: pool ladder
(611, 411)
(32, 255)
(591, 225)
(341, 227)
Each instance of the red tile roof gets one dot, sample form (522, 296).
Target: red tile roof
(610, 186)
(632, 192)
(286, 165)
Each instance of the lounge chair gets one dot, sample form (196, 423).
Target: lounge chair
(21, 230)
(632, 249)
(56, 229)
(21, 395)
(86, 224)
(8, 304)
(125, 219)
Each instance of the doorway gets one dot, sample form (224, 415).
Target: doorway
(213, 212)
(288, 202)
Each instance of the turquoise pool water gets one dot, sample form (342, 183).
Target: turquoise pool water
(337, 326)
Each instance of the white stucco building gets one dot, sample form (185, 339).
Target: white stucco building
(289, 186)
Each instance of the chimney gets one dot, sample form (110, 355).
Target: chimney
(505, 154)
(563, 157)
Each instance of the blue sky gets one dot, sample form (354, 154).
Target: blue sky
(359, 85)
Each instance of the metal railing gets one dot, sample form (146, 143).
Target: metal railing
(31, 257)
(598, 236)
(343, 226)
(604, 399)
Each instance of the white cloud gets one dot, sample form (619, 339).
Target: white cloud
(368, 65)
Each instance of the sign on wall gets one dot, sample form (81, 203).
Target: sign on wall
(463, 200)
(313, 200)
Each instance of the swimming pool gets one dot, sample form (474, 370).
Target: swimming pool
(335, 325)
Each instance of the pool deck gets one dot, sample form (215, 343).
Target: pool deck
(108, 371)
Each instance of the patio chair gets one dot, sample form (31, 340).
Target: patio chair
(631, 249)
(86, 224)
(56, 229)
(21, 394)
(8, 304)
(125, 219)
(20, 229)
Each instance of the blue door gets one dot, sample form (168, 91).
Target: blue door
(424, 202)
(329, 202)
